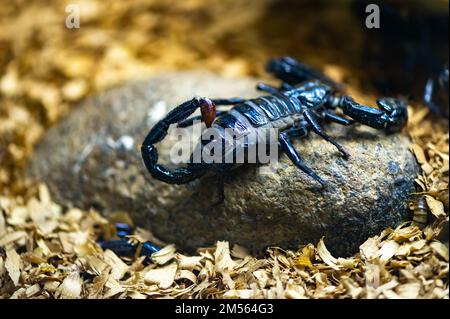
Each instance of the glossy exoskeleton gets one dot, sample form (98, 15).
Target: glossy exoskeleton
(305, 98)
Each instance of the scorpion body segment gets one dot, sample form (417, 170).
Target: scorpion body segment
(305, 99)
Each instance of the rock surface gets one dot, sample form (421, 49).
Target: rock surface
(92, 158)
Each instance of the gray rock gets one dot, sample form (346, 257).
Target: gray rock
(92, 158)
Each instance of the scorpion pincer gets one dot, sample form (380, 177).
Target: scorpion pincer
(305, 98)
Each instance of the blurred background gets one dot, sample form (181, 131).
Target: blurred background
(46, 68)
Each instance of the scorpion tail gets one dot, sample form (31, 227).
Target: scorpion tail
(149, 153)
(180, 175)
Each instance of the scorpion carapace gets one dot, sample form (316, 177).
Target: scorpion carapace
(305, 98)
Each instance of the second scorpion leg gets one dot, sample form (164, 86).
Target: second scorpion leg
(309, 117)
(230, 101)
(273, 90)
(330, 116)
(291, 152)
(267, 88)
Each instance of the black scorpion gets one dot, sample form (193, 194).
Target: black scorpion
(305, 99)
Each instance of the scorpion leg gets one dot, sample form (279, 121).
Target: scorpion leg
(299, 130)
(286, 86)
(291, 152)
(273, 90)
(293, 72)
(267, 88)
(124, 246)
(230, 101)
(158, 133)
(330, 116)
(309, 117)
(123, 229)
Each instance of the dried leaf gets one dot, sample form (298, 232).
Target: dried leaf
(32, 290)
(387, 251)
(347, 263)
(294, 291)
(118, 267)
(407, 248)
(186, 274)
(239, 252)
(409, 290)
(369, 249)
(163, 277)
(401, 234)
(326, 256)
(419, 153)
(188, 263)
(303, 261)
(164, 255)
(440, 249)
(436, 207)
(222, 258)
(262, 277)
(12, 265)
(2, 225)
(70, 288)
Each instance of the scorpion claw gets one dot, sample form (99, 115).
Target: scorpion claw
(293, 72)
(396, 113)
(392, 115)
